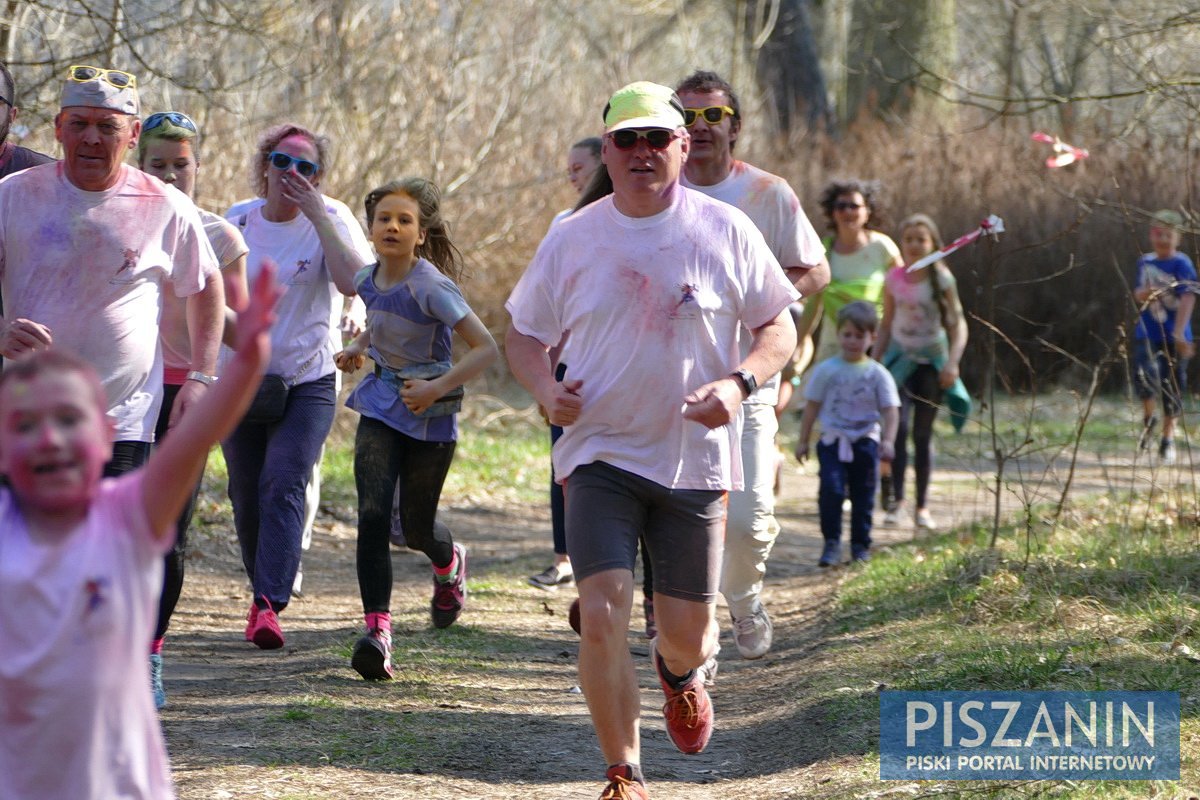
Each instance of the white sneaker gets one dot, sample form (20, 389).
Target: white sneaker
(891, 519)
(925, 520)
(753, 633)
(708, 670)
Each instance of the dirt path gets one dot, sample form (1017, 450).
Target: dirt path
(487, 708)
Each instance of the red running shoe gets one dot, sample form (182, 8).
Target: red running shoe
(688, 710)
(621, 786)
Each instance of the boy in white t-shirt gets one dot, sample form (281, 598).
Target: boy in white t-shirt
(852, 394)
(81, 569)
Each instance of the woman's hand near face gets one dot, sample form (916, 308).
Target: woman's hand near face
(299, 190)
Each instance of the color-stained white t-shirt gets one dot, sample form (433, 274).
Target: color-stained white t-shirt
(77, 719)
(916, 318)
(92, 266)
(654, 305)
(301, 341)
(852, 397)
(774, 208)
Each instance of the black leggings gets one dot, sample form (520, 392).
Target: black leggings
(384, 458)
(173, 562)
(920, 395)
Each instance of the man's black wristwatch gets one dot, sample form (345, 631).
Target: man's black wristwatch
(746, 378)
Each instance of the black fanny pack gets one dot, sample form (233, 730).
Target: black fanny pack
(270, 401)
(449, 403)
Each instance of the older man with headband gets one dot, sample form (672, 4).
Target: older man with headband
(654, 283)
(87, 247)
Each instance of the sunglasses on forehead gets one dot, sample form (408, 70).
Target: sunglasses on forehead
(657, 138)
(114, 77)
(174, 117)
(283, 162)
(712, 114)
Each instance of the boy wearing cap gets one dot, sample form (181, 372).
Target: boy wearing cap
(1165, 291)
(87, 245)
(653, 282)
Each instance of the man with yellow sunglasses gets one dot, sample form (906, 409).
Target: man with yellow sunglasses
(713, 116)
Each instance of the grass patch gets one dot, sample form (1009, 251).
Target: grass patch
(1097, 607)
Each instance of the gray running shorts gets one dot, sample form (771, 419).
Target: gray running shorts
(608, 509)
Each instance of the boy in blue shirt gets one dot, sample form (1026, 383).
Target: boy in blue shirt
(1165, 291)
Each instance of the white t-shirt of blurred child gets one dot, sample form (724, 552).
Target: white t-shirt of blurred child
(77, 718)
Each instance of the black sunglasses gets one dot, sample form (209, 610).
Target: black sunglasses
(843, 205)
(657, 138)
(174, 117)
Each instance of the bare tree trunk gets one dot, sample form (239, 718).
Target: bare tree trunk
(114, 27)
(788, 63)
(8, 28)
(899, 52)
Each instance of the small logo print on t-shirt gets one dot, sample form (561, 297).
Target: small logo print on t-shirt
(687, 307)
(97, 590)
(302, 274)
(126, 272)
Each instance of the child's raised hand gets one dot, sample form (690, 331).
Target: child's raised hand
(254, 324)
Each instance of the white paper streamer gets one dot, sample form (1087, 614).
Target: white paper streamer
(991, 226)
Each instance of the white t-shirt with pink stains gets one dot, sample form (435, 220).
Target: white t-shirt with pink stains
(77, 718)
(775, 210)
(654, 305)
(92, 267)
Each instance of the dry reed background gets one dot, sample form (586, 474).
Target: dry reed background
(485, 98)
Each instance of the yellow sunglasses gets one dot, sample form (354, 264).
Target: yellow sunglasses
(81, 73)
(712, 115)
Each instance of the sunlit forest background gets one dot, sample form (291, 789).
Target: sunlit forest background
(934, 98)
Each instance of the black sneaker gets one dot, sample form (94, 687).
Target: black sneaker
(1166, 452)
(553, 577)
(372, 656)
(831, 555)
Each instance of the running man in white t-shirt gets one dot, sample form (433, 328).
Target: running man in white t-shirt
(714, 119)
(654, 282)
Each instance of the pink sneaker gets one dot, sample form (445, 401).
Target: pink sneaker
(450, 597)
(263, 628)
(251, 622)
(372, 657)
